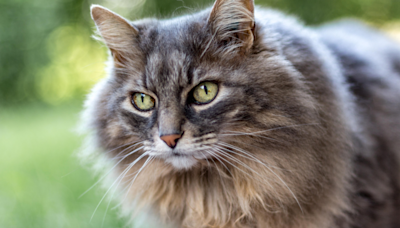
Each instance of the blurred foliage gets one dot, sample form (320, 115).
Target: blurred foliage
(75, 63)
(47, 55)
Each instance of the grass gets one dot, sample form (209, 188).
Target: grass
(40, 179)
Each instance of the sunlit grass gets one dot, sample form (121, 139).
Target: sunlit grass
(40, 178)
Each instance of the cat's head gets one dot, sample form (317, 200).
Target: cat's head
(183, 89)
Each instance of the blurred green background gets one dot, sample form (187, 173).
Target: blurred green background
(48, 62)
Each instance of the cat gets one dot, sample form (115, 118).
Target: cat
(242, 117)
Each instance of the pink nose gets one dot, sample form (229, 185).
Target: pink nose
(170, 140)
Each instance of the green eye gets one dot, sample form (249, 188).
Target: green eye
(205, 92)
(143, 102)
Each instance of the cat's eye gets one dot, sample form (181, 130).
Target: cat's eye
(205, 92)
(143, 102)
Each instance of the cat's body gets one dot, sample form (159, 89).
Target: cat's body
(371, 65)
(303, 131)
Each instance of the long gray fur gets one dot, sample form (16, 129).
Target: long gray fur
(327, 101)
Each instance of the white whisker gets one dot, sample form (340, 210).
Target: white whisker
(271, 129)
(149, 159)
(216, 157)
(205, 158)
(283, 182)
(251, 176)
(118, 147)
(125, 171)
(104, 176)
(251, 158)
(117, 156)
(251, 134)
(222, 182)
(238, 161)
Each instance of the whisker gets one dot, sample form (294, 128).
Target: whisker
(118, 147)
(149, 159)
(136, 173)
(226, 152)
(219, 172)
(216, 157)
(250, 134)
(237, 160)
(271, 129)
(283, 182)
(120, 177)
(115, 189)
(256, 133)
(104, 176)
(233, 165)
(205, 158)
(117, 156)
(125, 171)
(251, 158)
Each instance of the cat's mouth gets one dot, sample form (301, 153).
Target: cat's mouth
(181, 161)
(178, 154)
(182, 157)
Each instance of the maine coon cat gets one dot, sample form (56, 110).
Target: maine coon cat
(241, 117)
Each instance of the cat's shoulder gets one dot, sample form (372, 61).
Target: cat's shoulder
(368, 57)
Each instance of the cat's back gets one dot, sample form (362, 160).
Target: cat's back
(362, 49)
(371, 64)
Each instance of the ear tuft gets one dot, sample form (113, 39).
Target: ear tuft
(119, 35)
(95, 11)
(232, 22)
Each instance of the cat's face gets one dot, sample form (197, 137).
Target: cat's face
(183, 93)
(182, 109)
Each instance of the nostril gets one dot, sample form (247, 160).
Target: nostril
(176, 140)
(171, 140)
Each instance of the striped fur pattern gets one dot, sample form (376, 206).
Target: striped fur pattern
(285, 143)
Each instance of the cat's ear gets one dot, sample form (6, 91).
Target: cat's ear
(119, 35)
(232, 21)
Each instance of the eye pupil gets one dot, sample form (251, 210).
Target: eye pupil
(206, 90)
(142, 97)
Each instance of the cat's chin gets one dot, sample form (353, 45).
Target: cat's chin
(181, 162)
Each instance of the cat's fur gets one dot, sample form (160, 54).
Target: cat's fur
(304, 133)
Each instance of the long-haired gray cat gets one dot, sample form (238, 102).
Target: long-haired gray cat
(236, 117)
